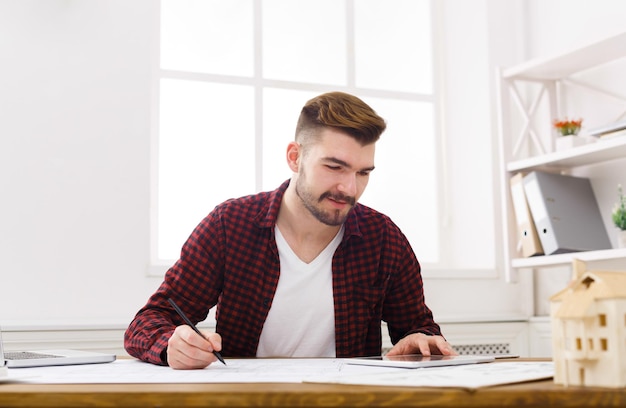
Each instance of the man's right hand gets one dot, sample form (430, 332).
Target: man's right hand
(187, 350)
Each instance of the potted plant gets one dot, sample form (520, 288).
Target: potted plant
(567, 130)
(619, 217)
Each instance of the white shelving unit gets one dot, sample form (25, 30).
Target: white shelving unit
(566, 259)
(529, 150)
(591, 153)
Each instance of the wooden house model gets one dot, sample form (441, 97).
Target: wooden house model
(589, 329)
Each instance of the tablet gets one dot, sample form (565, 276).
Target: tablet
(418, 360)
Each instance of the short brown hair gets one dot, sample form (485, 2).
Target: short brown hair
(341, 111)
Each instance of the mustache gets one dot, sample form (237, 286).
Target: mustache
(338, 197)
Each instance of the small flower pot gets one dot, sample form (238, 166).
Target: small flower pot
(568, 142)
(621, 239)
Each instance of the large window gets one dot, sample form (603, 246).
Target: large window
(233, 76)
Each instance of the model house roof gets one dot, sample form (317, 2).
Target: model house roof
(578, 299)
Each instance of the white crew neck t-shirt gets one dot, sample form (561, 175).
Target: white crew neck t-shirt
(301, 321)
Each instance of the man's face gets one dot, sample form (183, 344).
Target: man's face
(332, 176)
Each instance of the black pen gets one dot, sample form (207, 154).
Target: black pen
(193, 326)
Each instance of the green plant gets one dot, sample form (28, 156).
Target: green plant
(568, 127)
(619, 211)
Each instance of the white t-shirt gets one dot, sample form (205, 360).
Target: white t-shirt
(301, 321)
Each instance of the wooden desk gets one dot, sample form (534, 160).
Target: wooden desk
(533, 394)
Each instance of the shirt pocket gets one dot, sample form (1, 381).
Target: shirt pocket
(368, 301)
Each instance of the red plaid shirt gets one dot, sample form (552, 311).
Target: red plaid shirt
(231, 260)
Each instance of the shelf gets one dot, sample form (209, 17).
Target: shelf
(566, 64)
(551, 73)
(592, 153)
(566, 259)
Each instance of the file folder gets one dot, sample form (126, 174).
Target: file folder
(526, 231)
(565, 212)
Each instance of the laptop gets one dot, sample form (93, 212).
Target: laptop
(419, 361)
(42, 358)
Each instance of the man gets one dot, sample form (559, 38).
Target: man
(301, 271)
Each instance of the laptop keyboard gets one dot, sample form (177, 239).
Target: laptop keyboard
(26, 355)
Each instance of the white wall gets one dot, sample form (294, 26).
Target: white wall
(75, 151)
(74, 159)
(554, 26)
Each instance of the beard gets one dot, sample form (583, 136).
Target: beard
(311, 203)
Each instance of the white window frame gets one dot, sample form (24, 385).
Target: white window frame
(158, 267)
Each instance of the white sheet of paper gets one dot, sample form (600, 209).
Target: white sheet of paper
(236, 371)
(128, 371)
(465, 376)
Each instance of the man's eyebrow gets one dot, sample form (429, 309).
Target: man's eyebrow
(344, 163)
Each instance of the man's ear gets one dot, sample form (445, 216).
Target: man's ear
(294, 152)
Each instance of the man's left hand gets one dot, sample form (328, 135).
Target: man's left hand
(420, 343)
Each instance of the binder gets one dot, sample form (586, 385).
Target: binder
(526, 231)
(565, 212)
